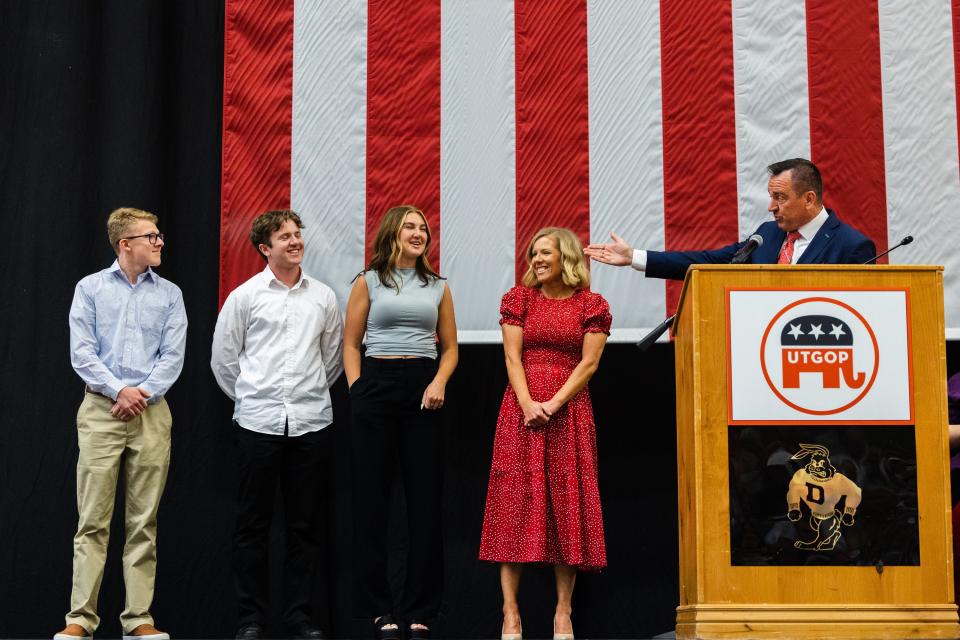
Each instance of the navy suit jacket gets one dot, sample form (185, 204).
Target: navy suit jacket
(835, 243)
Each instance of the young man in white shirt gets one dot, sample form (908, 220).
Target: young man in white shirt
(128, 330)
(277, 348)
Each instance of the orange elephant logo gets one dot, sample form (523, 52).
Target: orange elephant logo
(821, 345)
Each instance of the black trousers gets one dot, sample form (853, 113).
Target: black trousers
(296, 464)
(389, 425)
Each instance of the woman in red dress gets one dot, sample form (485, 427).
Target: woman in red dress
(543, 504)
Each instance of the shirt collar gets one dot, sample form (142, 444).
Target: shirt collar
(269, 278)
(149, 273)
(810, 229)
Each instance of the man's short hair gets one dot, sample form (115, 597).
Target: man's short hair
(804, 175)
(266, 223)
(121, 220)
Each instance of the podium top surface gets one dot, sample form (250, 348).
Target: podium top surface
(797, 268)
(814, 267)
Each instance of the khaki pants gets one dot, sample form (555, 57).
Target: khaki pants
(142, 446)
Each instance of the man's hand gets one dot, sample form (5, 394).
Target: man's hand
(131, 402)
(618, 253)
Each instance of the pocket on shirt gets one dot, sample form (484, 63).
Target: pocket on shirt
(153, 318)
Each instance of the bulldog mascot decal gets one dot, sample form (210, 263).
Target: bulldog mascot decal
(820, 486)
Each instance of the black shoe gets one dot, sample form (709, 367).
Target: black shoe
(249, 632)
(307, 631)
(416, 633)
(380, 633)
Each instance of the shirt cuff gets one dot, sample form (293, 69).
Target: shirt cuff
(639, 260)
(154, 398)
(112, 389)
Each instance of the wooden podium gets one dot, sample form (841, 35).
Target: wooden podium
(728, 587)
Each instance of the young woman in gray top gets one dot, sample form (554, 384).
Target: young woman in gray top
(405, 309)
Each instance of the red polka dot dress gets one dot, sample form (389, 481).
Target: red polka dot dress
(543, 503)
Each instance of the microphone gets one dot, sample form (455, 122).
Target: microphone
(739, 257)
(743, 253)
(651, 337)
(906, 240)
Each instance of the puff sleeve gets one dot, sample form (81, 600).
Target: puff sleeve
(596, 314)
(513, 307)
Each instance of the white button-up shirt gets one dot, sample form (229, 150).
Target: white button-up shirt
(276, 351)
(807, 232)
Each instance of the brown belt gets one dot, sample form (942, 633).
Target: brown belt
(89, 390)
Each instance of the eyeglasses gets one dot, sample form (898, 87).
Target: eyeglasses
(151, 237)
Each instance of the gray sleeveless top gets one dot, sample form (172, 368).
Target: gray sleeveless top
(404, 323)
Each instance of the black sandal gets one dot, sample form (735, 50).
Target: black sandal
(418, 634)
(380, 631)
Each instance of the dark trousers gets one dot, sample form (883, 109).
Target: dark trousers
(389, 425)
(296, 464)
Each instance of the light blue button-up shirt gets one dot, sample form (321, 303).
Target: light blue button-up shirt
(124, 335)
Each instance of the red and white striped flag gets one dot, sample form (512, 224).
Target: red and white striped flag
(654, 120)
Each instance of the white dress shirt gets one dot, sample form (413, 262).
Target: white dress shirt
(807, 232)
(276, 351)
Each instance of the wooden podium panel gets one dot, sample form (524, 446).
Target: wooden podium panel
(721, 599)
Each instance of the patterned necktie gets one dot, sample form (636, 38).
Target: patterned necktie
(786, 253)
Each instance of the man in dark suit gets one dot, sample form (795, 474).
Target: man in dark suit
(802, 232)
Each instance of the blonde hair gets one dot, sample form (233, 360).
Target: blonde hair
(387, 249)
(573, 264)
(121, 220)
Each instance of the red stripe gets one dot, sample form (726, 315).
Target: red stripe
(257, 115)
(403, 112)
(551, 112)
(846, 111)
(699, 134)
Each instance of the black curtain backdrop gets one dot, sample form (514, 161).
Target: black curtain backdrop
(105, 104)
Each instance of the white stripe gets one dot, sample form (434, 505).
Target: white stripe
(920, 139)
(771, 97)
(626, 151)
(328, 176)
(477, 160)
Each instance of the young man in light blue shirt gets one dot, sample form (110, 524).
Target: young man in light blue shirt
(128, 330)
